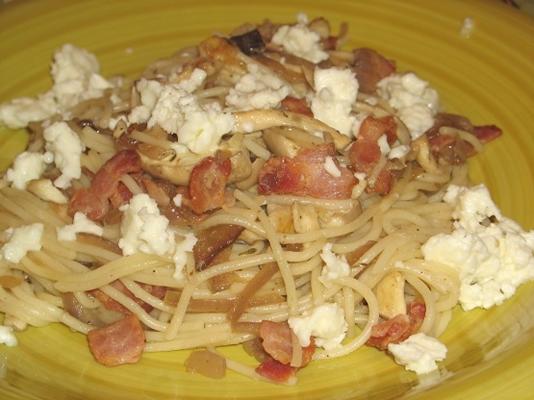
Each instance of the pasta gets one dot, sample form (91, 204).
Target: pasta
(274, 183)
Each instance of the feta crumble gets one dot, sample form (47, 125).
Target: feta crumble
(75, 75)
(149, 92)
(21, 240)
(415, 101)
(419, 353)
(258, 89)
(18, 113)
(177, 200)
(335, 266)
(300, 41)
(326, 323)
(7, 336)
(66, 147)
(492, 254)
(331, 167)
(76, 78)
(180, 255)
(335, 92)
(26, 167)
(143, 228)
(199, 128)
(80, 224)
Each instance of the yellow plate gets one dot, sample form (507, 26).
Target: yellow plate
(488, 77)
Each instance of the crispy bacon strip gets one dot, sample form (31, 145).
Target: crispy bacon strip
(365, 153)
(277, 343)
(398, 328)
(119, 343)
(275, 371)
(207, 182)
(305, 175)
(212, 241)
(371, 67)
(94, 201)
(295, 105)
(487, 133)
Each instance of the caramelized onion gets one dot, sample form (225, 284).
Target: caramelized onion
(206, 363)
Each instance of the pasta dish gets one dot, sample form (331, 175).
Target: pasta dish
(268, 188)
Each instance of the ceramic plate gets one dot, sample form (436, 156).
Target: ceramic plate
(488, 77)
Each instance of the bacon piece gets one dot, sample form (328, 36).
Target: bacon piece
(487, 133)
(120, 343)
(398, 328)
(371, 67)
(276, 371)
(365, 153)
(212, 241)
(120, 196)
(93, 201)
(207, 182)
(295, 105)
(305, 175)
(110, 304)
(277, 343)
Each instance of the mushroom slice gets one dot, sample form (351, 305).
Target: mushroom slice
(240, 158)
(255, 120)
(304, 218)
(164, 163)
(278, 144)
(390, 295)
(45, 190)
(281, 217)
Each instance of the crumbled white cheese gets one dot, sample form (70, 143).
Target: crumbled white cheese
(467, 28)
(258, 89)
(80, 224)
(149, 92)
(335, 266)
(335, 92)
(203, 127)
(26, 167)
(398, 151)
(384, 145)
(326, 323)
(66, 147)
(331, 167)
(180, 255)
(194, 81)
(18, 113)
(419, 353)
(300, 41)
(177, 200)
(415, 101)
(144, 229)
(21, 240)
(492, 258)
(76, 78)
(7, 336)
(198, 127)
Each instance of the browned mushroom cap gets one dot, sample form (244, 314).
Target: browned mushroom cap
(257, 120)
